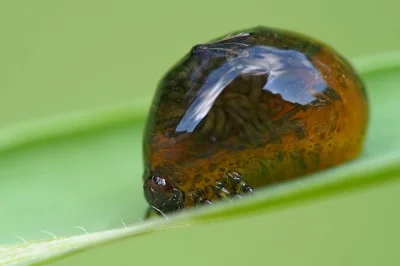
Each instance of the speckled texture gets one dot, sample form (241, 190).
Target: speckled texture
(254, 108)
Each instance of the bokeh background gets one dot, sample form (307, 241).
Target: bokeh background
(66, 56)
(59, 57)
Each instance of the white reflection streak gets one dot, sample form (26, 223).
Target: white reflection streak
(266, 62)
(280, 65)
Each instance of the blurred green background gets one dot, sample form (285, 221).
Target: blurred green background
(59, 57)
(63, 56)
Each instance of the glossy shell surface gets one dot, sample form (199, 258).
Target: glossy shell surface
(257, 107)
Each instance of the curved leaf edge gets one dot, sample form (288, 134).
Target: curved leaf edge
(280, 195)
(61, 126)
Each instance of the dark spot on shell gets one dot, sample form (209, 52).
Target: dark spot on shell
(181, 181)
(197, 178)
(265, 171)
(298, 160)
(212, 167)
(279, 156)
(315, 158)
(331, 93)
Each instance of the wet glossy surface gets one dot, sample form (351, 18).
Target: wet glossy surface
(252, 109)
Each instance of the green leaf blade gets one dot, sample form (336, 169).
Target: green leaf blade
(344, 216)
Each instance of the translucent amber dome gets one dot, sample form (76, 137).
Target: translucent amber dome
(255, 108)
